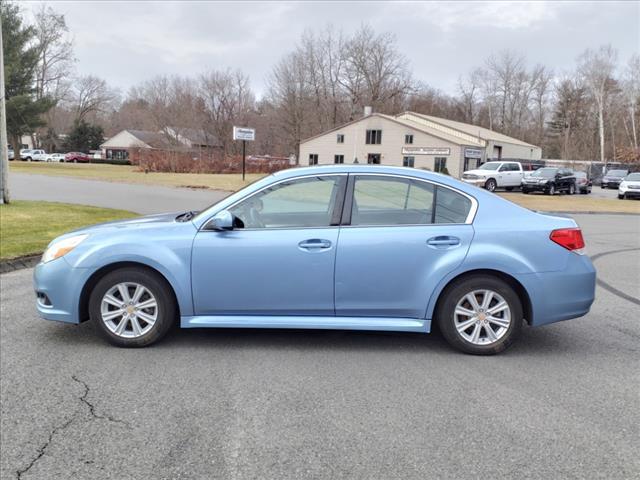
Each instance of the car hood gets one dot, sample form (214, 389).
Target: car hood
(131, 223)
(479, 172)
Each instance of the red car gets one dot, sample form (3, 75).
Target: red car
(76, 157)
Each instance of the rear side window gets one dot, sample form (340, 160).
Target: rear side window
(401, 201)
(451, 207)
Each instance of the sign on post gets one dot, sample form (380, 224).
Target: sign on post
(243, 133)
(246, 135)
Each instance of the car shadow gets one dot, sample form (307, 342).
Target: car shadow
(558, 340)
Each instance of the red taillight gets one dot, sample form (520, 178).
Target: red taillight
(569, 238)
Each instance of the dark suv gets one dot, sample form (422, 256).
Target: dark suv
(550, 181)
(613, 178)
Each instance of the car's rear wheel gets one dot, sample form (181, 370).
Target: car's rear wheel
(491, 185)
(572, 189)
(132, 307)
(480, 315)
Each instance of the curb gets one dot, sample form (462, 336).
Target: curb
(19, 263)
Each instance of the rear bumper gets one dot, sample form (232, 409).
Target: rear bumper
(557, 296)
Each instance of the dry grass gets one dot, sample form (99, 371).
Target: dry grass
(572, 203)
(129, 174)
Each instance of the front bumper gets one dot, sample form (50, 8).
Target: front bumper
(610, 184)
(562, 295)
(62, 285)
(478, 182)
(629, 192)
(535, 187)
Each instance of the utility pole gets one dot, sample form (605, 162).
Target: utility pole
(4, 154)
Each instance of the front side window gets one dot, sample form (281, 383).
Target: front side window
(313, 159)
(301, 203)
(374, 137)
(408, 161)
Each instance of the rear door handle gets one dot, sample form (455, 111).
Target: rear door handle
(443, 241)
(315, 244)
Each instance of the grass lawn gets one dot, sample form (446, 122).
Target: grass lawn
(129, 174)
(572, 203)
(27, 227)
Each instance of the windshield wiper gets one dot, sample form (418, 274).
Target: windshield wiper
(186, 216)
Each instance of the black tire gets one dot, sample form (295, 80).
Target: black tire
(525, 191)
(491, 185)
(620, 197)
(456, 291)
(551, 190)
(156, 284)
(572, 189)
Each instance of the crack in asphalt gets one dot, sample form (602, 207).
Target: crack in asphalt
(92, 413)
(92, 408)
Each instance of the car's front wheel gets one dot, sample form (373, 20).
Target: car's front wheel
(491, 185)
(620, 197)
(551, 190)
(132, 307)
(481, 315)
(572, 189)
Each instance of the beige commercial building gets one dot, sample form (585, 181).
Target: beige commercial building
(414, 140)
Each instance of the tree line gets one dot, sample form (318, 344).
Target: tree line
(589, 112)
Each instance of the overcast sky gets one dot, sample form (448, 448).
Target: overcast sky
(127, 42)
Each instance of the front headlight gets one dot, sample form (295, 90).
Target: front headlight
(542, 180)
(62, 247)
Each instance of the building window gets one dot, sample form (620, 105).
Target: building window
(408, 161)
(374, 137)
(313, 159)
(340, 138)
(408, 139)
(441, 165)
(338, 159)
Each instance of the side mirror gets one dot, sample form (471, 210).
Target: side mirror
(222, 221)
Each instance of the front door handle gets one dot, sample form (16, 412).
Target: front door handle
(315, 244)
(443, 241)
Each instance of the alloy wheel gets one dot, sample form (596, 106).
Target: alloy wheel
(129, 310)
(482, 317)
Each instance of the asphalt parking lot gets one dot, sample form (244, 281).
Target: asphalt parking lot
(562, 403)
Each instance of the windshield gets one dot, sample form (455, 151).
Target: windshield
(205, 211)
(545, 172)
(633, 176)
(490, 166)
(616, 173)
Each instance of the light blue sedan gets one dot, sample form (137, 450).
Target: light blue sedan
(335, 247)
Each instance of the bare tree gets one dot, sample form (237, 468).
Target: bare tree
(55, 53)
(596, 68)
(631, 87)
(91, 95)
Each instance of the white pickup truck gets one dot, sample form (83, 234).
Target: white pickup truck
(492, 175)
(35, 155)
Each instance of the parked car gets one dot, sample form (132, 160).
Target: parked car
(76, 157)
(335, 247)
(492, 175)
(11, 154)
(630, 186)
(25, 154)
(55, 157)
(583, 182)
(613, 178)
(550, 180)
(38, 155)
